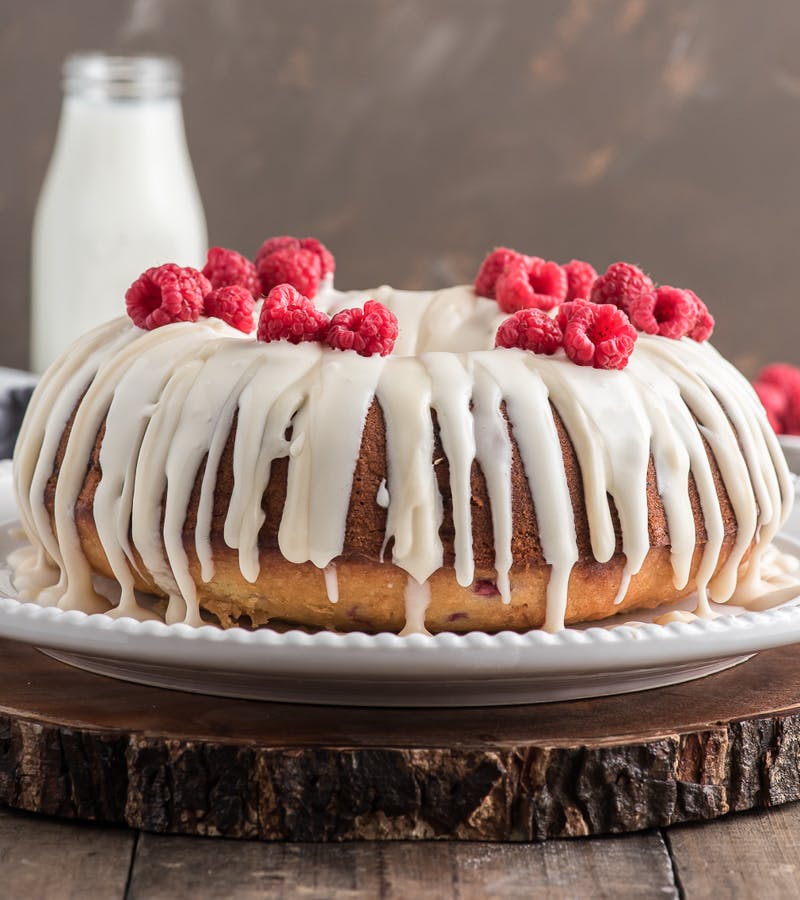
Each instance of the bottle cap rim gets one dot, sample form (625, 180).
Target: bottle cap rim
(99, 75)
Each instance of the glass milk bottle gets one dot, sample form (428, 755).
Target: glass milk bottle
(119, 196)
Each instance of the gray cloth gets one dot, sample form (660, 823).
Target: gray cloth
(15, 391)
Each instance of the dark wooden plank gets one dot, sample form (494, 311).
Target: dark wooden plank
(46, 858)
(612, 867)
(79, 745)
(751, 855)
(636, 865)
(176, 867)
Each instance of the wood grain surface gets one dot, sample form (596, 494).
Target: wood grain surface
(48, 858)
(601, 868)
(739, 856)
(754, 854)
(82, 746)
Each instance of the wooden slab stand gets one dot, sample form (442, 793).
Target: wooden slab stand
(82, 746)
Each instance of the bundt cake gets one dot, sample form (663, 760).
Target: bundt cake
(501, 468)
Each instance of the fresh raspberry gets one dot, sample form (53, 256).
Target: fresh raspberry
(233, 304)
(791, 420)
(597, 334)
(782, 375)
(287, 242)
(295, 266)
(580, 278)
(703, 326)
(485, 587)
(326, 260)
(567, 310)
(164, 294)
(530, 329)
(224, 267)
(774, 401)
(514, 292)
(786, 380)
(531, 283)
(669, 311)
(492, 268)
(368, 331)
(270, 245)
(287, 315)
(621, 284)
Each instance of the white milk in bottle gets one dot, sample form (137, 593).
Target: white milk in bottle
(119, 196)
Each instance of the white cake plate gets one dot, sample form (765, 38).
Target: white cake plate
(387, 670)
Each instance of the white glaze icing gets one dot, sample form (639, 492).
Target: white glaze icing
(169, 398)
(331, 582)
(417, 598)
(382, 497)
(676, 615)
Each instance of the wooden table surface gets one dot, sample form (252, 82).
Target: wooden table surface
(744, 855)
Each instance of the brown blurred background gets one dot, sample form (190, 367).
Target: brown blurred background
(413, 136)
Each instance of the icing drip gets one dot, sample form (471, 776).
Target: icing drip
(266, 408)
(340, 391)
(34, 578)
(169, 399)
(382, 497)
(451, 392)
(74, 588)
(128, 418)
(528, 408)
(771, 579)
(418, 598)
(676, 615)
(493, 452)
(415, 511)
(675, 446)
(331, 582)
